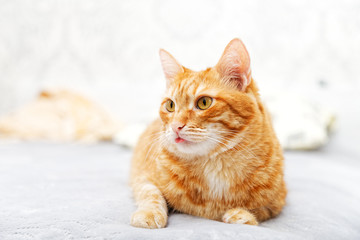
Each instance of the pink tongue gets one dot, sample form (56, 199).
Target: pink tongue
(179, 140)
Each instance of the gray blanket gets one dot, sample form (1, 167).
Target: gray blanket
(52, 191)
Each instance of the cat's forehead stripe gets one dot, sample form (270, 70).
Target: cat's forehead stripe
(199, 89)
(183, 87)
(188, 90)
(205, 90)
(186, 84)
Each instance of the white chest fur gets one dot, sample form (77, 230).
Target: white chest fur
(217, 179)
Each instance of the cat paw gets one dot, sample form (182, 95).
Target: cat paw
(152, 218)
(239, 216)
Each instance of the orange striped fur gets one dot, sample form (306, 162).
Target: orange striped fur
(223, 163)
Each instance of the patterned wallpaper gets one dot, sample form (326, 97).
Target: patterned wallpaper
(109, 49)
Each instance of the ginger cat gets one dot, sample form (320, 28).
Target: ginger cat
(61, 116)
(213, 153)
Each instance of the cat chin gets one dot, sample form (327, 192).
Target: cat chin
(191, 149)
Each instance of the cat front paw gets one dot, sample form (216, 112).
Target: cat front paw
(149, 218)
(239, 216)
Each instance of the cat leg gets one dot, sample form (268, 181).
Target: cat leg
(240, 216)
(152, 208)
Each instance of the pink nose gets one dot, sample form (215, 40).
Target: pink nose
(177, 126)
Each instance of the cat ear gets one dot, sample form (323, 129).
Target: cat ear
(170, 66)
(234, 65)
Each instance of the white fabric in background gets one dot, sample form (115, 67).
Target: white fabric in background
(300, 124)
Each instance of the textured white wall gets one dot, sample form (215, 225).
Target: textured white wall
(109, 48)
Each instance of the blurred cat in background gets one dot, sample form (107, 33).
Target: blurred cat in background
(213, 152)
(60, 116)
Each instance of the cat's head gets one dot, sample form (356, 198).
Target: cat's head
(207, 111)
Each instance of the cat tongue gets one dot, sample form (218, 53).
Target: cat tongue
(179, 140)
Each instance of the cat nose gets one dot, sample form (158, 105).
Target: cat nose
(177, 126)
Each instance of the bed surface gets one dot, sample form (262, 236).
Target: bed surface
(63, 191)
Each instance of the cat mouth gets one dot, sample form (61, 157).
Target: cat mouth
(184, 140)
(179, 140)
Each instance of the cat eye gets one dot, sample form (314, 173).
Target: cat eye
(170, 105)
(204, 103)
